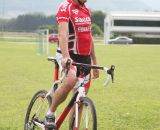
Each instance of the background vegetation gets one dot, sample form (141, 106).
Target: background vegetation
(34, 21)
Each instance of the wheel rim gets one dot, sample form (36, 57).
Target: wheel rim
(34, 115)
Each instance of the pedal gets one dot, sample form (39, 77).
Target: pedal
(39, 121)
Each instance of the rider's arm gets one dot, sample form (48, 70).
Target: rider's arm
(63, 20)
(63, 38)
(93, 55)
(94, 60)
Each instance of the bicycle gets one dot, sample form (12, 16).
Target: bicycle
(34, 119)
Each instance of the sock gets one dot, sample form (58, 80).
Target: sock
(49, 112)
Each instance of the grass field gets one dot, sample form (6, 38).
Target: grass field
(131, 103)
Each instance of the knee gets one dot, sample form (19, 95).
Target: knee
(70, 79)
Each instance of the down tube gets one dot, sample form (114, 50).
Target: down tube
(66, 111)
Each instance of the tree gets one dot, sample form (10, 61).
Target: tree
(98, 18)
(29, 22)
(96, 30)
(51, 28)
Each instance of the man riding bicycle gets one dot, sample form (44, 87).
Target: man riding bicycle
(76, 44)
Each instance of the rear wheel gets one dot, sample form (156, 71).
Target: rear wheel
(87, 114)
(35, 104)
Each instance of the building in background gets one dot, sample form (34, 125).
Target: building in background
(130, 23)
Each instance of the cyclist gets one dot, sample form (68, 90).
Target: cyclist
(76, 44)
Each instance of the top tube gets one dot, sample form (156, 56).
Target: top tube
(87, 65)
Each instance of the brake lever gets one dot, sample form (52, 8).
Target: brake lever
(68, 63)
(111, 72)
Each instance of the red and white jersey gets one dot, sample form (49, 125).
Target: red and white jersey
(79, 22)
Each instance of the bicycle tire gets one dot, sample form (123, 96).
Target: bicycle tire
(85, 101)
(29, 125)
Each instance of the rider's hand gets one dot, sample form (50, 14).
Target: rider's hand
(64, 61)
(95, 73)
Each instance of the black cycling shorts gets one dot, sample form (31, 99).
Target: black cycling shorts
(81, 59)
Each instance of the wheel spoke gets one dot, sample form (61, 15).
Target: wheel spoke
(87, 116)
(36, 111)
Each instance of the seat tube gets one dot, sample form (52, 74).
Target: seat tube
(56, 71)
(81, 93)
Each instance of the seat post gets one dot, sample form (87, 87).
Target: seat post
(56, 71)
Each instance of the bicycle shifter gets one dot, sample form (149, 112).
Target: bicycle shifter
(111, 72)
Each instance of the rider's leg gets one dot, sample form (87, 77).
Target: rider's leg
(62, 92)
(59, 96)
(68, 83)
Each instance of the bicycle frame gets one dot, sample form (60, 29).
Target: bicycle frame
(75, 99)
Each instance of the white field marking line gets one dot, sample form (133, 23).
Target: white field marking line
(100, 44)
(145, 45)
(96, 44)
(19, 43)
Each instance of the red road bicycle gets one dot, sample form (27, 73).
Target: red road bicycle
(41, 101)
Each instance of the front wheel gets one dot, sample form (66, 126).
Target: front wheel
(37, 110)
(87, 116)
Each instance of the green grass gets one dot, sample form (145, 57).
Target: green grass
(131, 103)
(18, 40)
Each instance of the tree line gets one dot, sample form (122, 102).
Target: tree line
(35, 21)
